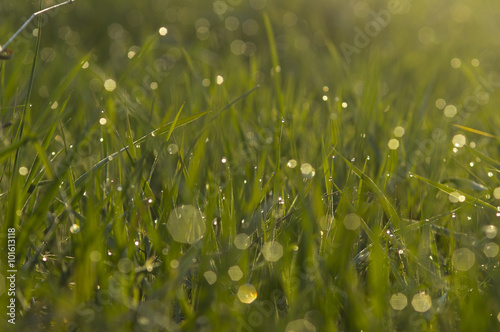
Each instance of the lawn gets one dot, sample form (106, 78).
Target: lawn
(250, 165)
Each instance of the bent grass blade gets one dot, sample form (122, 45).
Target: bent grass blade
(160, 131)
(386, 205)
(475, 131)
(450, 190)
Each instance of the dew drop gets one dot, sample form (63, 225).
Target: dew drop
(185, 224)
(247, 293)
(421, 302)
(496, 192)
(235, 273)
(292, 163)
(393, 144)
(300, 325)
(398, 301)
(174, 263)
(459, 140)
(172, 148)
(272, 251)
(491, 231)
(352, 221)
(399, 131)
(109, 84)
(23, 171)
(463, 259)
(163, 31)
(307, 170)
(242, 241)
(450, 111)
(491, 249)
(74, 229)
(210, 276)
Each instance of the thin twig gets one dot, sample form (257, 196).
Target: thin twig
(3, 48)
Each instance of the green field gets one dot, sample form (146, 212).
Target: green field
(250, 165)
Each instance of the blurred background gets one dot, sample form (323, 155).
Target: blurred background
(332, 74)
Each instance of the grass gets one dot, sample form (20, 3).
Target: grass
(235, 174)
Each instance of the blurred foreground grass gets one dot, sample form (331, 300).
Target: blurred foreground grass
(345, 178)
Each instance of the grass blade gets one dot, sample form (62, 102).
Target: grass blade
(156, 132)
(449, 190)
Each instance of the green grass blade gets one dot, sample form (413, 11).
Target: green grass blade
(386, 205)
(156, 132)
(448, 190)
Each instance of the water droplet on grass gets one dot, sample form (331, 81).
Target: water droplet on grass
(292, 163)
(109, 85)
(210, 276)
(421, 302)
(399, 131)
(235, 273)
(440, 103)
(463, 259)
(393, 144)
(300, 325)
(272, 251)
(185, 224)
(455, 63)
(450, 111)
(491, 249)
(352, 221)
(307, 170)
(398, 301)
(456, 197)
(172, 148)
(163, 31)
(23, 171)
(247, 293)
(459, 140)
(496, 192)
(242, 241)
(491, 231)
(75, 229)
